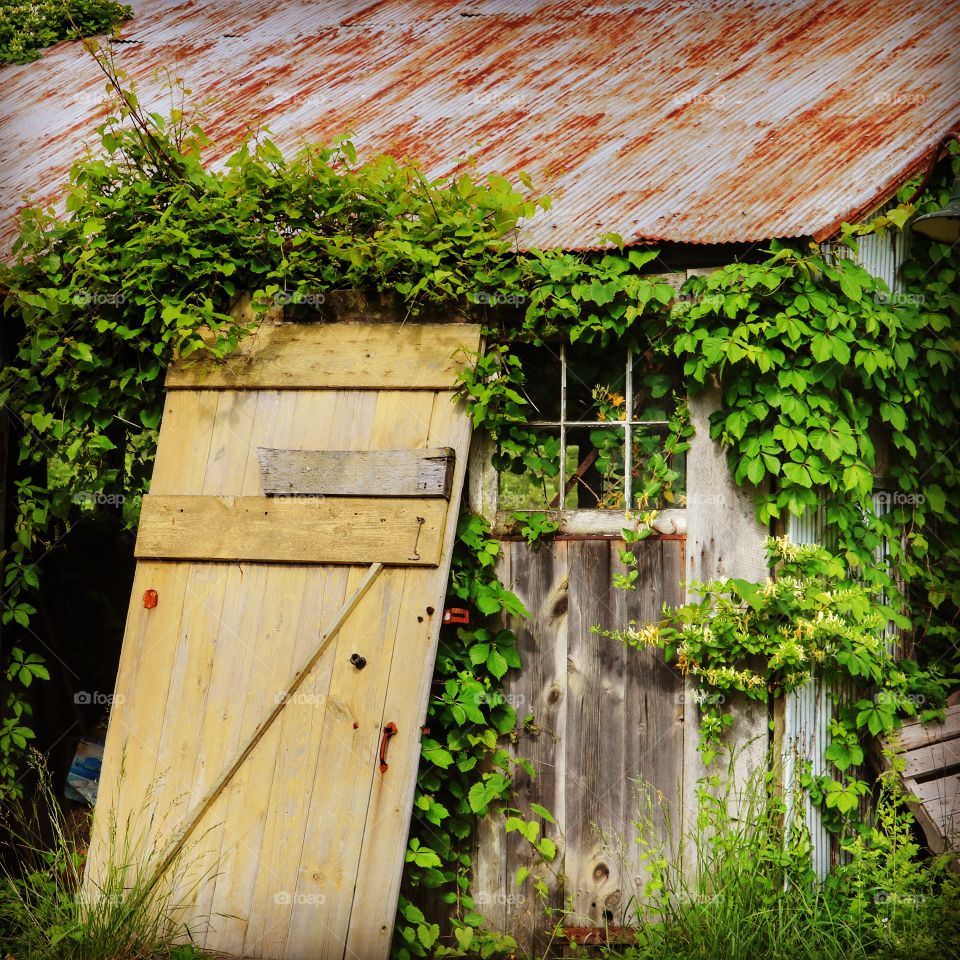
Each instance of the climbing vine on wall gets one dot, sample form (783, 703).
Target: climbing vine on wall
(767, 640)
(818, 364)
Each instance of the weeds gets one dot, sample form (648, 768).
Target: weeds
(49, 912)
(740, 886)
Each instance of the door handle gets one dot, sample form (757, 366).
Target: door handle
(390, 730)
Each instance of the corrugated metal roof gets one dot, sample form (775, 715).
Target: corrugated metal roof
(704, 121)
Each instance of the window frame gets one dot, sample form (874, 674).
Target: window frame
(484, 487)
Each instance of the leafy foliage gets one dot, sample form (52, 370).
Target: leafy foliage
(27, 26)
(819, 362)
(466, 769)
(765, 640)
(743, 885)
(102, 308)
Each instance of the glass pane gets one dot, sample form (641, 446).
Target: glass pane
(525, 488)
(650, 464)
(653, 388)
(599, 472)
(541, 367)
(596, 382)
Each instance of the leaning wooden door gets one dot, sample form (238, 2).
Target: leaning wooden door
(299, 853)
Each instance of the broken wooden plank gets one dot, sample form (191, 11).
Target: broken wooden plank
(356, 473)
(362, 356)
(937, 809)
(931, 755)
(933, 760)
(915, 734)
(349, 530)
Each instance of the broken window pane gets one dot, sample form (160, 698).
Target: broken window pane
(596, 382)
(585, 402)
(541, 389)
(650, 463)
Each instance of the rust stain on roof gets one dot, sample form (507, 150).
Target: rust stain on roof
(702, 121)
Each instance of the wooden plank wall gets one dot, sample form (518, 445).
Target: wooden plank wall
(603, 716)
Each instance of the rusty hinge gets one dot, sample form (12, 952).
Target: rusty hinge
(456, 615)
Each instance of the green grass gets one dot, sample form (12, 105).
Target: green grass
(48, 913)
(748, 891)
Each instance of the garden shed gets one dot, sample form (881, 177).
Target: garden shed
(326, 460)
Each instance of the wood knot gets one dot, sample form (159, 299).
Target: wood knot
(600, 872)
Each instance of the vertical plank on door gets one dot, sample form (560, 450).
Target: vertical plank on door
(653, 717)
(328, 879)
(247, 808)
(595, 738)
(316, 424)
(392, 793)
(127, 776)
(541, 579)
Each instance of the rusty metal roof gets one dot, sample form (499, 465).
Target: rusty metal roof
(703, 121)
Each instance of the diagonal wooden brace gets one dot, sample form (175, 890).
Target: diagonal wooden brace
(228, 772)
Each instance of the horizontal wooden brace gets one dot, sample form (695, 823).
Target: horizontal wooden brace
(347, 530)
(356, 473)
(349, 356)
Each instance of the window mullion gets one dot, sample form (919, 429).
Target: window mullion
(627, 444)
(563, 425)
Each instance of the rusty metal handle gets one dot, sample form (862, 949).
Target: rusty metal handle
(390, 730)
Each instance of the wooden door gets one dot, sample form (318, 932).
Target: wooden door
(299, 854)
(602, 725)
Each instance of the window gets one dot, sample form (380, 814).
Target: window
(603, 415)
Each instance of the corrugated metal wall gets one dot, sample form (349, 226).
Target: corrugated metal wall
(806, 719)
(808, 710)
(880, 254)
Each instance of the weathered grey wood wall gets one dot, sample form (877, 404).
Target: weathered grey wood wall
(603, 716)
(724, 539)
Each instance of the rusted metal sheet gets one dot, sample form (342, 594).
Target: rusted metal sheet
(704, 122)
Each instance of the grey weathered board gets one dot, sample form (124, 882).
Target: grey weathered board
(356, 473)
(931, 778)
(603, 717)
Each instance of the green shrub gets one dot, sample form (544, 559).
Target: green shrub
(27, 27)
(740, 886)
